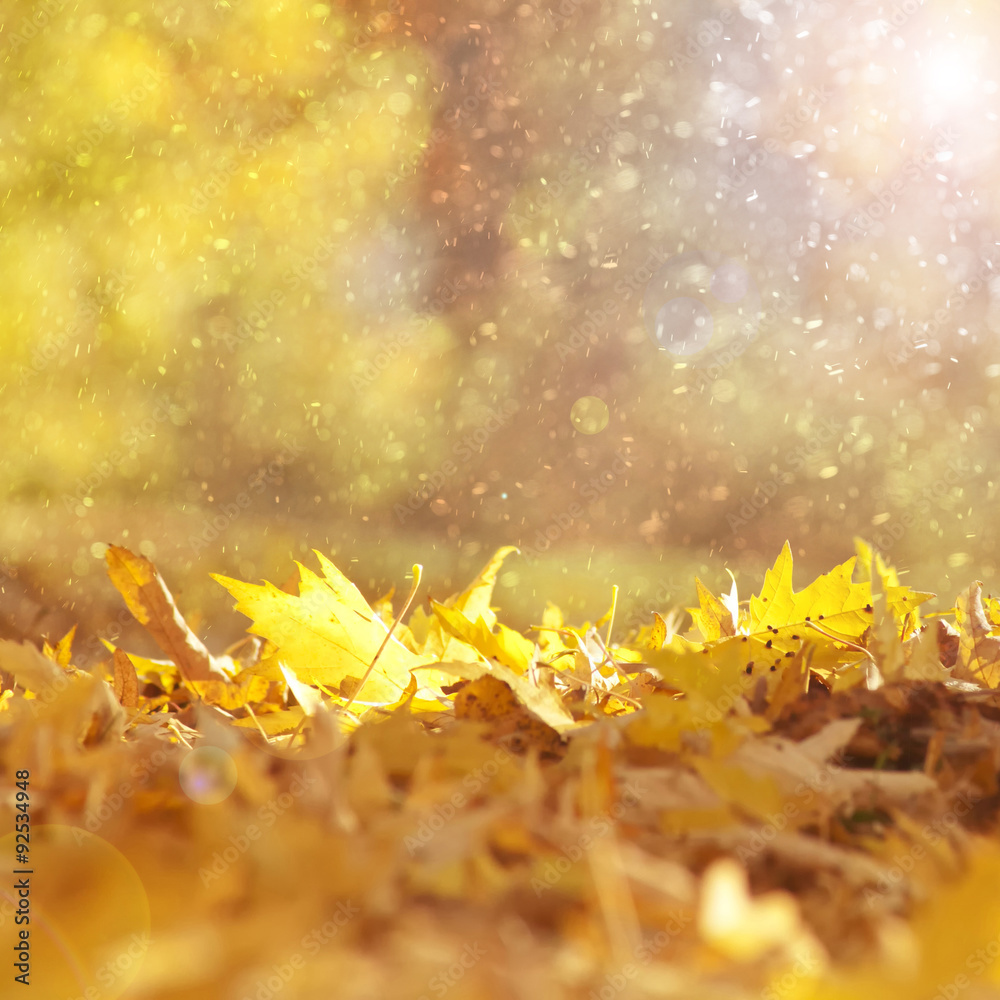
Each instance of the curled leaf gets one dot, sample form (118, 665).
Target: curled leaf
(153, 606)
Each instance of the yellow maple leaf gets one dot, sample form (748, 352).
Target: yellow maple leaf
(327, 634)
(901, 602)
(505, 645)
(463, 628)
(831, 602)
(474, 601)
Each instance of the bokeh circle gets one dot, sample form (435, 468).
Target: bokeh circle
(207, 775)
(589, 415)
(698, 303)
(89, 916)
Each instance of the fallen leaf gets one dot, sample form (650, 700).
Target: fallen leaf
(978, 647)
(126, 681)
(327, 634)
(148, 599)
(489, 699)
(831, 602)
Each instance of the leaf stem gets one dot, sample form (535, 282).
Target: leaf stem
(843, 642)
(417, 573)
(611, 617)
(873, 674)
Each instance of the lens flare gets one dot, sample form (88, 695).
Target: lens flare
(950, 80)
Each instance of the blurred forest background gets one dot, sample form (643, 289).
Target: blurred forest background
(369, 278)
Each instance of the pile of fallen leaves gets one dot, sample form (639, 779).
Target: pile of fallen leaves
(796, 797)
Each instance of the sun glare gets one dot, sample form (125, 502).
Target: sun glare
(950, 79)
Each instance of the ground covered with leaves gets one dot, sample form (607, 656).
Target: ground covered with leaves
(793, 795)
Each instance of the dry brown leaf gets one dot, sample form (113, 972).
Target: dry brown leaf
(489, 699)
(126, 681)
(658, 633)
(147, 597)
(978, 650)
